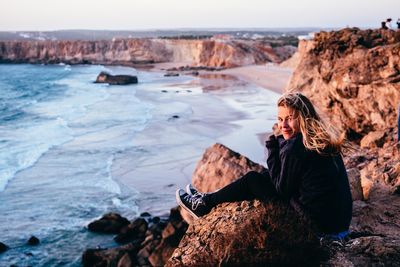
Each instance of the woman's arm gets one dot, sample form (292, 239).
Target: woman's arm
(285, 167)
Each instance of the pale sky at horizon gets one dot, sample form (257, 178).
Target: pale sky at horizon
(42, 15)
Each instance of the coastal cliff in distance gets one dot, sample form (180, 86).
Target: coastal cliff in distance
(203, 52)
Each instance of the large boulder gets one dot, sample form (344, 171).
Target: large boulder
(105, 77)
(220, 166)
(249, 233)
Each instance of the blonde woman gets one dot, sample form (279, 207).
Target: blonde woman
(305, 167)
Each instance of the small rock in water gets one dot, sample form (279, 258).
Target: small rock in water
(33, 241)
(110, 223)
(105, 77)
(3, 247)
(164, 91)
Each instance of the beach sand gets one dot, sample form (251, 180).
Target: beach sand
(269, 76)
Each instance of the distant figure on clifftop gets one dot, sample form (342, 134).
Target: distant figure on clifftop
(389, 23)
(398, 23)
(305, 168)
(383, 25)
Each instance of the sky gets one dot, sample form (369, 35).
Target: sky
(43, 15)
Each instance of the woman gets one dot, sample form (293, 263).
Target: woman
(305, 167)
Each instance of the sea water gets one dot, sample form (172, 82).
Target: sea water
(72, 150)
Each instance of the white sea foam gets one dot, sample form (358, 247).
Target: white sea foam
(25, 145)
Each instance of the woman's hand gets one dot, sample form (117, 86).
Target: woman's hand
(272, 142)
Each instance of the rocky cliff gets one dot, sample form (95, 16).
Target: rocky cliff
(354, 75)
(206, 52)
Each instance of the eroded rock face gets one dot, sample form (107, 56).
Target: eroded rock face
(210, 53)
(247, 234)
(354, 76)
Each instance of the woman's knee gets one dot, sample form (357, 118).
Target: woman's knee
(253, 177)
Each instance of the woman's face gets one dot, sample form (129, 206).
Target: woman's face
(287, 122)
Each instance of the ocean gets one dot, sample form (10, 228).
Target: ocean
(72, 150)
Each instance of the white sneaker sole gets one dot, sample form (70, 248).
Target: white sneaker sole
(180, 203)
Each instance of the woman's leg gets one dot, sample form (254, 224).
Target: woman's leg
(253, 185)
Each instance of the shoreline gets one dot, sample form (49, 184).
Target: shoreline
(269, 76)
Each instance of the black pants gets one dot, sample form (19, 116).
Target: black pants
(253, 185)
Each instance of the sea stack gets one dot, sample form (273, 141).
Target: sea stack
(105, 77)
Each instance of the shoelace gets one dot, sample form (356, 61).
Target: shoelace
(198, 194)
(194, 200)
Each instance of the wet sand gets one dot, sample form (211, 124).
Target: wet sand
(268, 76)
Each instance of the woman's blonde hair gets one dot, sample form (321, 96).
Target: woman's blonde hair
(317, 135)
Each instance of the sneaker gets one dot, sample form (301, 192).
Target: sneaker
(193, 191)
(194, 204)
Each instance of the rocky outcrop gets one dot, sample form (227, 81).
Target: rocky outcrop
(207, 52)
(105, 77)
(354, 76)
(249, 233)
(146, 241)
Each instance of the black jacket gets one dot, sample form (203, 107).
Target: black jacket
(318, 184)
